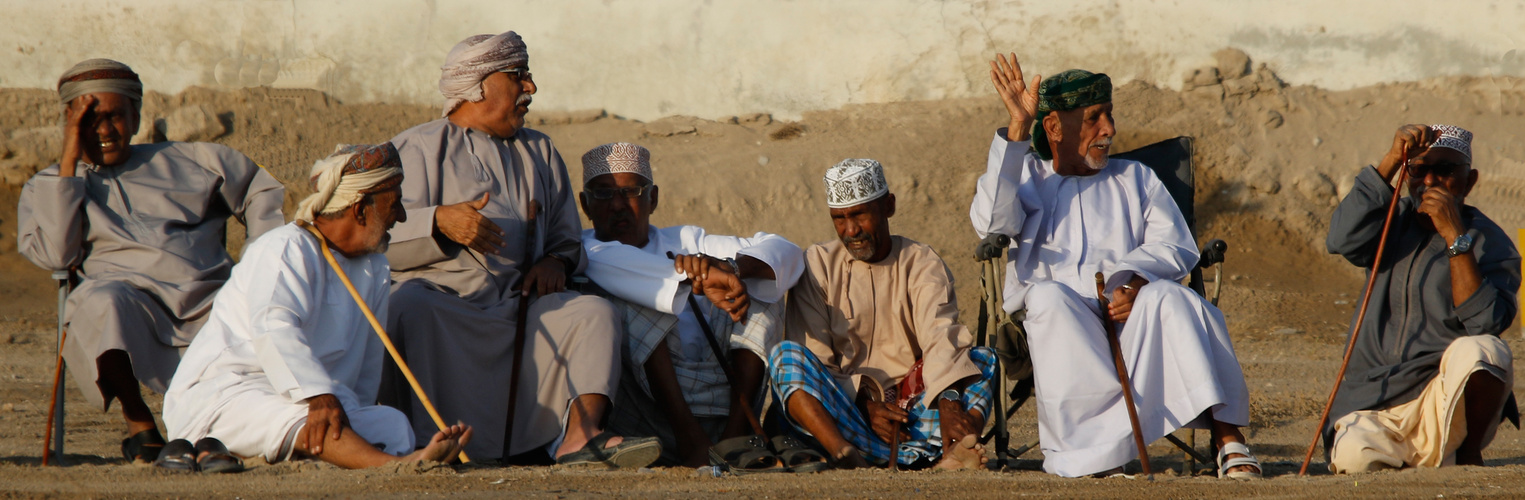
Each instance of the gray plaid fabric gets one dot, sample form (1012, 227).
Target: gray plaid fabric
(705, 387)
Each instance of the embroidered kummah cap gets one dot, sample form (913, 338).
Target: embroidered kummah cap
(1072, 89)
(855, 181)
(616, 157)
(100, 75)
(1453, 137)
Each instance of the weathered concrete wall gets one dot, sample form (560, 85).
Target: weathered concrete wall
(651, 58)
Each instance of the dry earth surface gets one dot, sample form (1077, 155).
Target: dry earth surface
(1272, 160)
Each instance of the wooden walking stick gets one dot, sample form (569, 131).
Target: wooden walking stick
(1122, 376)
(380, 332)
(1371, 281)
(58, 378)
(521, 318)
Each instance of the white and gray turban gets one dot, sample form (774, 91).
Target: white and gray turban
(472, 61)
(100, 75)
(346, 176)
(616, 157)
(854, 182)
(1453, 137)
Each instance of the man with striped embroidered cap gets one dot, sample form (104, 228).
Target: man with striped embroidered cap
(673, 386)
(871, 311)
(144, 227)
(1073, 212)
(287, 365)
(1429, 378)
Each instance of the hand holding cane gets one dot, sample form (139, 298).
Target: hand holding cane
(1122, 375)
(380, 332)
(1371, 281)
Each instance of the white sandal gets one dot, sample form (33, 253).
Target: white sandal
(1248, 459)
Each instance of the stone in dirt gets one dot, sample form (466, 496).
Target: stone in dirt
(670, 126)
(194, 123)
(1232, 63)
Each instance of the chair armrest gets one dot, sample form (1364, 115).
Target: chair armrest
(991, 247)
(1213, 253)
(64, 275)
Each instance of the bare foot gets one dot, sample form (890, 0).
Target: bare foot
(849, 458)
(966, 453)
(445, 444)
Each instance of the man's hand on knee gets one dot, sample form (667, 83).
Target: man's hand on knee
(325, 416)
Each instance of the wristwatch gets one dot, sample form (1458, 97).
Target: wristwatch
(951, 395)
(1463, 244)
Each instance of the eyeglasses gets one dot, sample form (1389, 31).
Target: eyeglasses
(521, 73)
(1420, 170)
(608, 193)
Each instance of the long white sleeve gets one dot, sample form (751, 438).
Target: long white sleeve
(645, 276)
(277, 307)
(996, 208)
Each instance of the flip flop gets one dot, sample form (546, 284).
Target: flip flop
(798, 457)
(632, 453)
(744, 455)
(1225, 463)
(144, 446)
(218, 459)
(178, 456)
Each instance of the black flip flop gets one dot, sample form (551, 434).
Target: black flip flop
(632, 453)
(178, 456)
(144, 446)
(744, 455)
(217, 459)
(798, 457)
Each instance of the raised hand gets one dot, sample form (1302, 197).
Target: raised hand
(1412, 139)
(464, 223)
(1020, 98)
(74, 122)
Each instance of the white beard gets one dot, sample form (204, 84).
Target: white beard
(1096, 164)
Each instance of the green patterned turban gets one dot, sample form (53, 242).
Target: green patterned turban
(1073, 89)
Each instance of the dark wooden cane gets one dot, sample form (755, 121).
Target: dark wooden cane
(521, 318)
(58, 378)
(1122, 375)
(1371, 281)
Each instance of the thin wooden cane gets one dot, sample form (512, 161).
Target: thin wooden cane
(521, 318)
(1122, 376)
(709, 337)
(380, 332)
(58, 378)
(1371, 282)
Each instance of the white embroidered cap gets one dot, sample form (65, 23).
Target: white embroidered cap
(855, 181)
(1453, 137)
(616, 157)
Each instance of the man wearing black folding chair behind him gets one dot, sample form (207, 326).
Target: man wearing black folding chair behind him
(1073, 213)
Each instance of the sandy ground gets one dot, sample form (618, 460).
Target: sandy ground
(1272, 160)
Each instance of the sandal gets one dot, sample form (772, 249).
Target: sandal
(744, 455)
(632, 453)
(178, 456)
(217, 459)
(1248, 459)
(144, 446)
(797, 457)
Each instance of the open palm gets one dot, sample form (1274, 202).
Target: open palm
(1020, 98)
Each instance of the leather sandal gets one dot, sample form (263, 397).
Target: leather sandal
(178, 456)
(1225, 463)
(798, 457)
(743, 455)
(144, 446)
(216, 458)
(632, 453)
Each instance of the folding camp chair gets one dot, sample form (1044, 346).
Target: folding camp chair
(1171, 161)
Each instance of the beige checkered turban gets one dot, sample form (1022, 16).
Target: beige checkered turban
(616, 157)
(346, 176)
(1453, 137)
(854, 182)
(473, 60)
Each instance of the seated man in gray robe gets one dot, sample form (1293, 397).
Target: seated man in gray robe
(144, 226)
(1429, 378)
(491, 218)
(674, 386)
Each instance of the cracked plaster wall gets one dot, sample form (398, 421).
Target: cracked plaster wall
(652, 58)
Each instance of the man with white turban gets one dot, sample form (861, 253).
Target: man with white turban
(492, 218)
(1072, 212)
(1429, 378)
(144, 226)
(674, 386)
(287, 363)
(874, 353)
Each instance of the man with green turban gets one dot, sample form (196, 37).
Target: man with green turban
(1072, 212)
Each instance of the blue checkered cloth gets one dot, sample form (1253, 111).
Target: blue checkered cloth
(795, 368)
